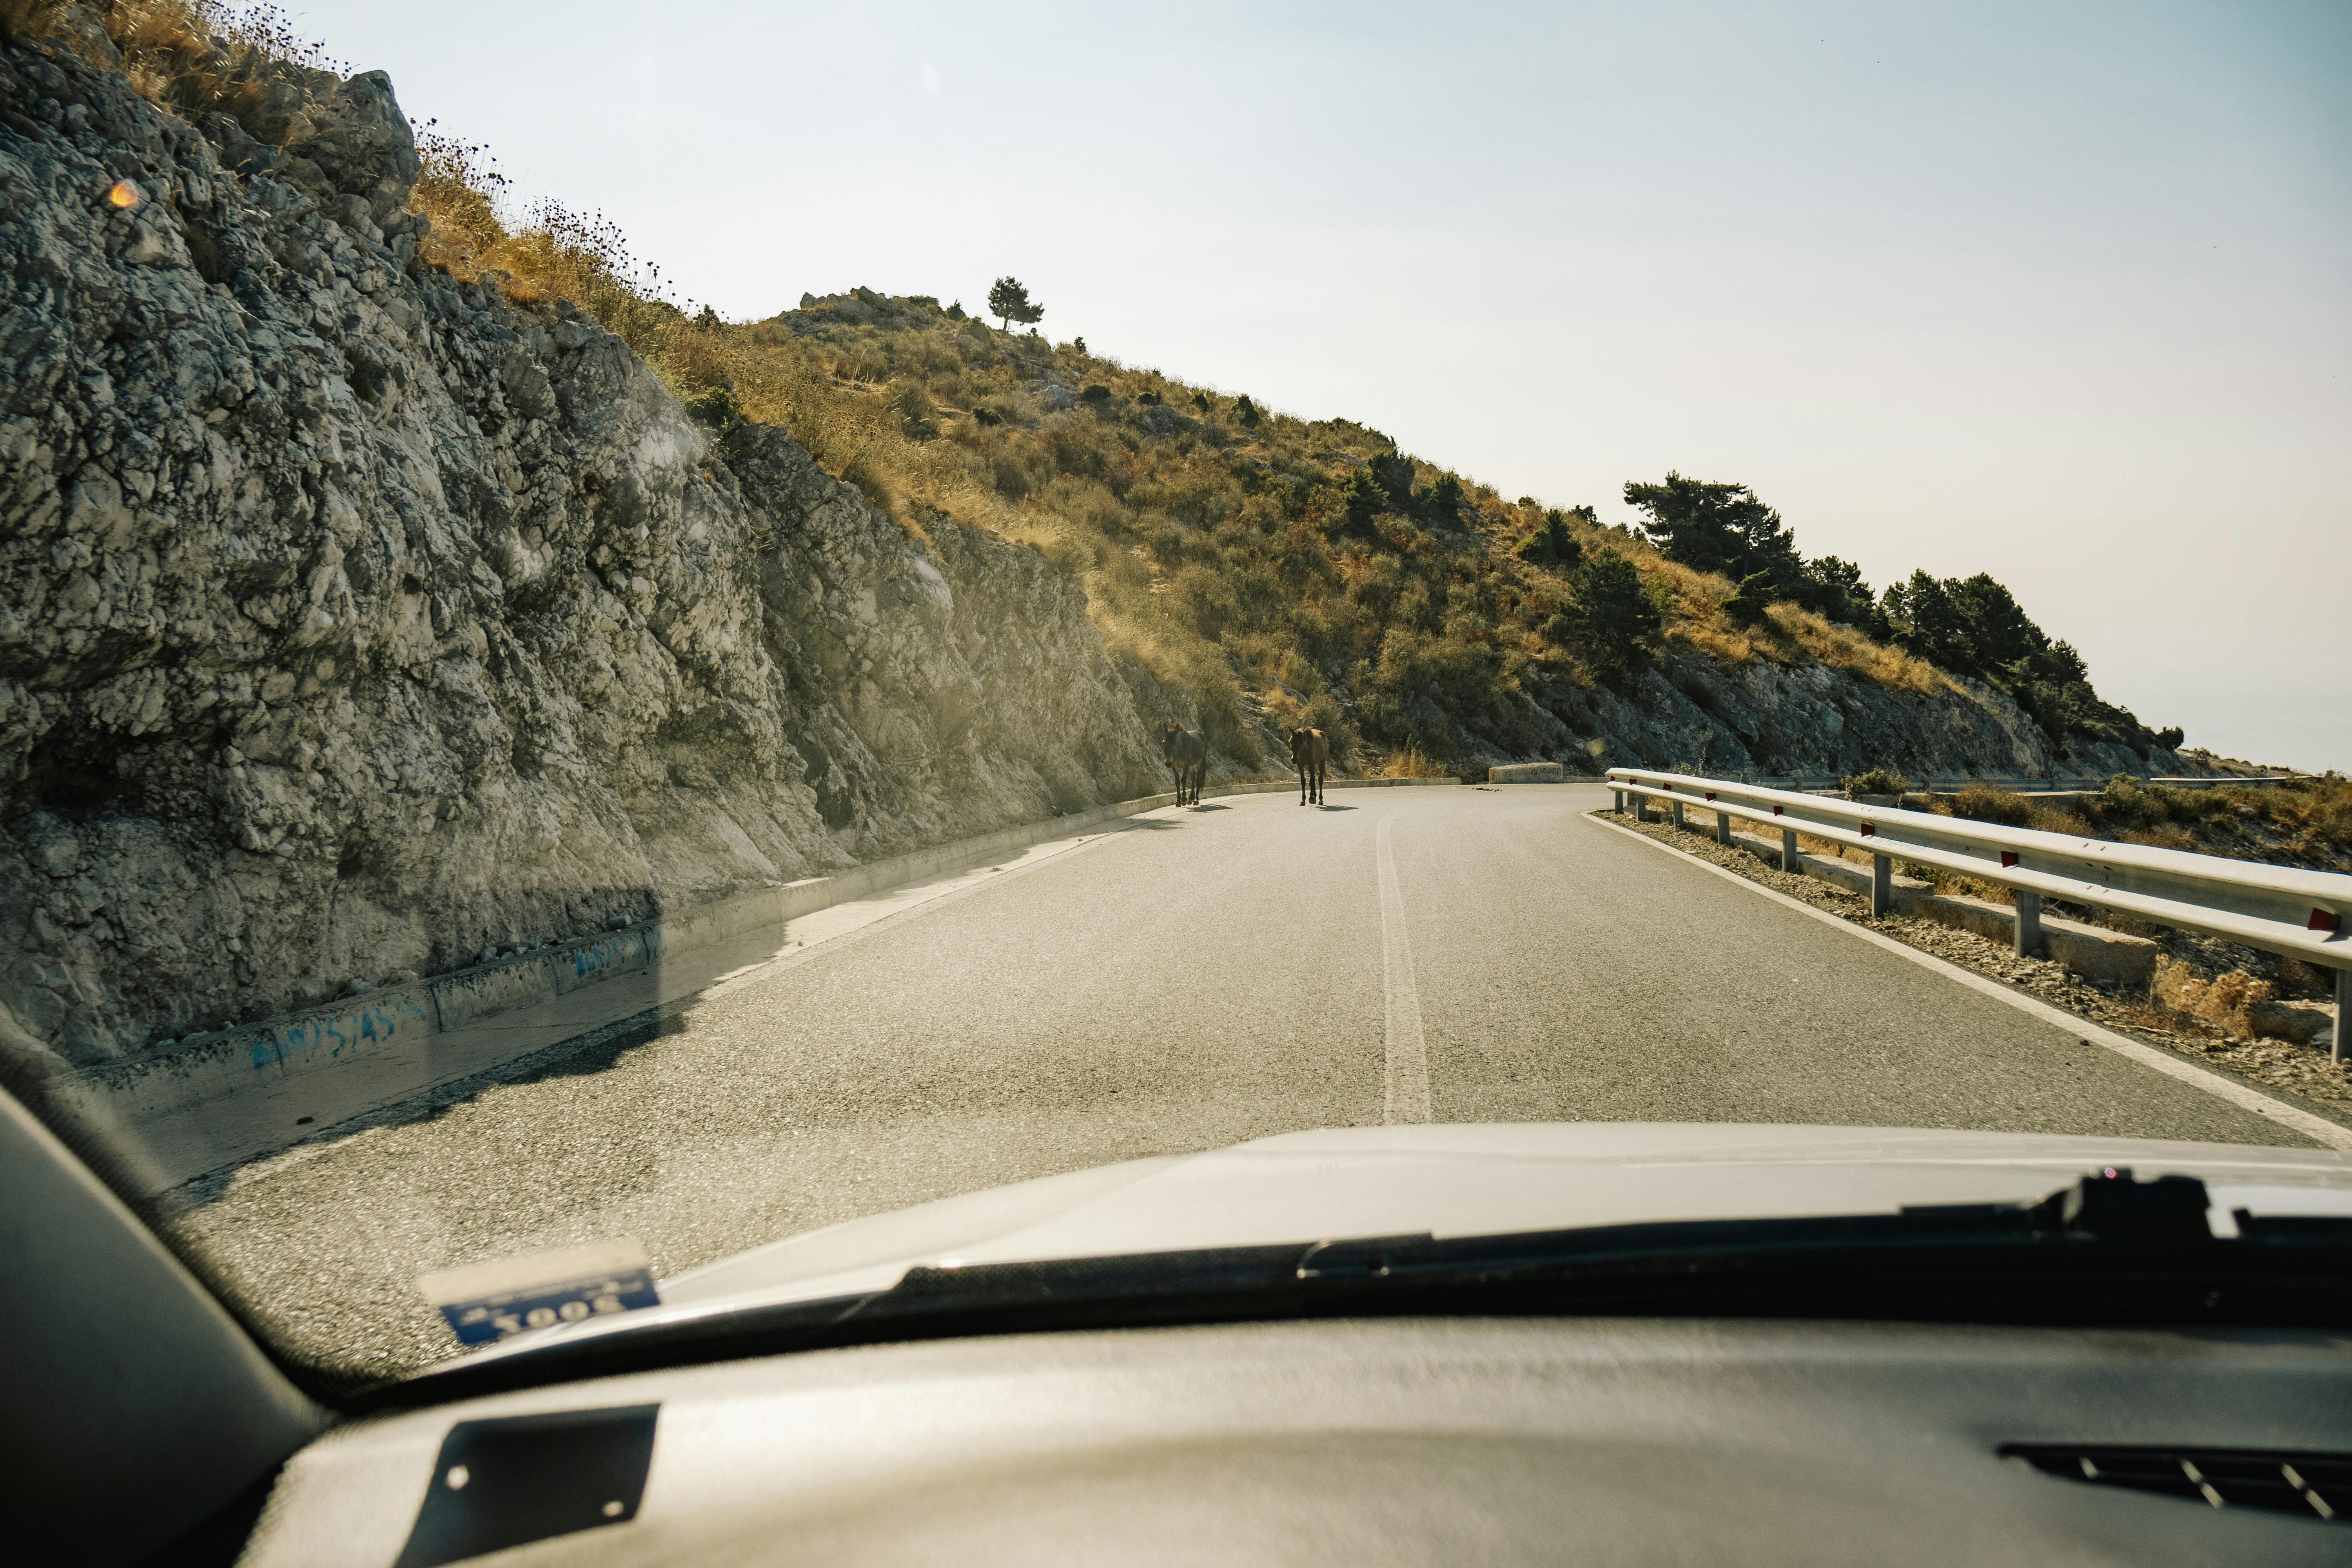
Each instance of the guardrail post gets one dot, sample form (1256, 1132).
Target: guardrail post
(1617, 802)
(1882, 884)
(2342, 1014)
(1723, 828)
(1641, 808)
(1788, 850)
(1677, 810)
(2027, 935)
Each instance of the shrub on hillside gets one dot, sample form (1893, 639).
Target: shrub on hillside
(1874, 781)
(1011, 479)
(1361, 502)
(1609, 621)
(1552, 544)
(1394, 473)
(715, 407)
(1982, 802)
(1751, 603)
(1440, 505)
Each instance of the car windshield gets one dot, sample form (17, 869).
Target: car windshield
(653, 658)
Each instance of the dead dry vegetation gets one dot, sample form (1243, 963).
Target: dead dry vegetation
(2302, 821)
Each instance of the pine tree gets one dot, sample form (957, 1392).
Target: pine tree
(1009, 302)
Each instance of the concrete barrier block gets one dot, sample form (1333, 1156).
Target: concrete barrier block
(2091, 951)
(1528, 773)
(722, 919)
(807, 896)
(2097, 955)
(1995, 922)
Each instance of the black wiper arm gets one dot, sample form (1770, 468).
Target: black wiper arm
(2107, 1226)
(2108, 1208)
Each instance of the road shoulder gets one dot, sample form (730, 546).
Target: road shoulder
(2325, 1124)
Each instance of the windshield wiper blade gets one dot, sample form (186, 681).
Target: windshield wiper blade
(2109, 1250)
(2109, 1208)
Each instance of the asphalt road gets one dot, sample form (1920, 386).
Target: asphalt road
(1206, 977)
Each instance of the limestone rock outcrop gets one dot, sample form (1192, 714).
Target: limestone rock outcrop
(1812, 720)
(355, 621)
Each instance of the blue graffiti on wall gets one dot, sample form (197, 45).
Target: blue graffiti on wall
(340, 1035)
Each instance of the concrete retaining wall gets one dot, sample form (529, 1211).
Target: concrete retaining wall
(1528, 773)
(231, 1062)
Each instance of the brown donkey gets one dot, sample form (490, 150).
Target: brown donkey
(1188, 754)
(1310, 752)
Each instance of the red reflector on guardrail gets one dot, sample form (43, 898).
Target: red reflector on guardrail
(1711, 794)
(2008, 859)
(2325, 920)
(1775, 811)
(1865, 830)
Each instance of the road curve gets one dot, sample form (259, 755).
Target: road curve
(1205, 976)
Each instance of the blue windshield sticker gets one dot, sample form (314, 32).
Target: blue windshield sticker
(491, 1302)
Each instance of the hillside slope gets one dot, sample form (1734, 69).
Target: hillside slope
(1234, 552)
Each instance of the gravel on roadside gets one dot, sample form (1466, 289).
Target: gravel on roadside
(2276, 1064)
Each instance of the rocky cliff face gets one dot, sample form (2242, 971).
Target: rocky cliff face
(355, 621)
(1812, 721)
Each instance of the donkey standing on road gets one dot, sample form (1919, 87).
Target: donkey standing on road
(1189, 755)
(1310, 752)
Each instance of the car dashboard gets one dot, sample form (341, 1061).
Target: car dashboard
(1404, 1441)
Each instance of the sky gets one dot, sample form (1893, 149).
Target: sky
(2058, 292)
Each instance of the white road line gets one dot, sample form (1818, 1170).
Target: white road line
(1404, 1095)
(2318, 1129)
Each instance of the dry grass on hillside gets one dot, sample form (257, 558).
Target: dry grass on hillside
(182, 55)
(2306, 823)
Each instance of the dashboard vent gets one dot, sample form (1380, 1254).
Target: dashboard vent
(2316, 1486)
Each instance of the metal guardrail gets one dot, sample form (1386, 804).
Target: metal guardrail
(2279, 909)
(2051, 784)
